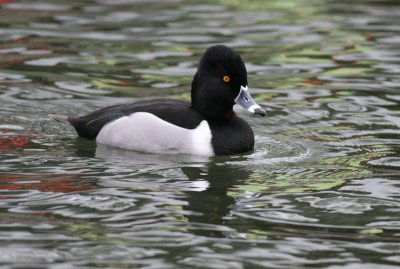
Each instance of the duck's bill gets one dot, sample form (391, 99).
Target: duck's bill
(245, 100)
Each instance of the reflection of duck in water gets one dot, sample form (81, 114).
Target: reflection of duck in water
(208, 126)
(213, 204)
(205, 182)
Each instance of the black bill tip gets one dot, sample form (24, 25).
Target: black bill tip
(260, 112)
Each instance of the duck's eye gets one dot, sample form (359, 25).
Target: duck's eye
(226, 79)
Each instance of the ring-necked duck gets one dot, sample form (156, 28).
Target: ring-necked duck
(206, 126)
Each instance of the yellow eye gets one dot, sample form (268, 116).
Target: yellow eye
(226, 79)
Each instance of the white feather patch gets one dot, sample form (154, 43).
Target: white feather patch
(146, 132)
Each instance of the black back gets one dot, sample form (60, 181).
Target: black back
(176, 112)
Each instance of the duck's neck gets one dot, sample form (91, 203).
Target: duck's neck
(214, 111)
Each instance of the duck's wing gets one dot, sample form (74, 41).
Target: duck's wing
(176, 112)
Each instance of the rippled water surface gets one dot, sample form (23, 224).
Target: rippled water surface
(320, 190)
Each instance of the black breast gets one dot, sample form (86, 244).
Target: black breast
(231, 136)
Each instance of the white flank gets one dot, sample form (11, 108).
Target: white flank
(144, 131)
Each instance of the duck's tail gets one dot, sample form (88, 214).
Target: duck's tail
(60, 118)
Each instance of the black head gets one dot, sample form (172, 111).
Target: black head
(219, 80)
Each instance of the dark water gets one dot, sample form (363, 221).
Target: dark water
(321, 189)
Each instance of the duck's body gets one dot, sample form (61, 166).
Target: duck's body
(206, 126)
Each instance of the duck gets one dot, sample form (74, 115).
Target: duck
(206, 126)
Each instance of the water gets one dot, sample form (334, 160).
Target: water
(320, 190)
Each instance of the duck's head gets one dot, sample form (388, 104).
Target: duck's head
(220, 82)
